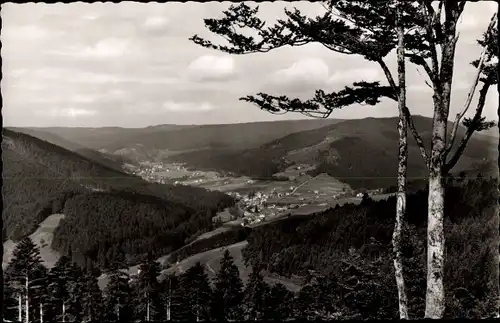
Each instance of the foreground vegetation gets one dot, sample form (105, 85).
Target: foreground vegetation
(343, 255)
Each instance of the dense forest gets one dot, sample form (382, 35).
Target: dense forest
(362, 233)
(117, 226)
(39, 178)
(355, 282)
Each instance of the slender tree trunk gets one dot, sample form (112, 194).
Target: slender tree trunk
(147, 311)
(41, 312)
(402, 171)
(498, 161)
(20, 309)
(27, 301)
(63, 312)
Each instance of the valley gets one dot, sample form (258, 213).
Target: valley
(301, 182)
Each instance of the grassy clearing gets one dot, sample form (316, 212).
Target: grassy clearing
(42, 237)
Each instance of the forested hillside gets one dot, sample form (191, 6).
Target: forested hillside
(344, 256)
(123, 227)
(39, 177)
(341, 150)
(362, 234)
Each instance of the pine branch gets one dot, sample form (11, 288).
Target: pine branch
(323, 104)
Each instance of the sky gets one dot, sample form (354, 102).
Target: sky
(132, 64)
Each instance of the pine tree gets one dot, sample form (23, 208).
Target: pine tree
(147, 304)
(178, 310)
(170, 297)
(92, 300)
(228, 292)
(11, 302)
(27, 277)
(197, 293)
(118, 295)
(256, 295)
(76, 289)
(61, 279)
(279, 304)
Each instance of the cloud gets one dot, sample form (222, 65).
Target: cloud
(211, 68)
(187, 106)
(156, 23)
(69, 112)
(305, 70)
(26, 32)
(109, 48)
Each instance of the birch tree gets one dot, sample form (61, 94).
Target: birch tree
(367, 28)
(402, 170)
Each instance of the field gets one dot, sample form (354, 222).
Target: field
(42, 237)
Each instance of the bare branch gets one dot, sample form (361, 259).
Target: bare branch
(407, 115)
(485, 56)
(475, 124)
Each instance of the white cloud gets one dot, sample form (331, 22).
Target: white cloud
(211, 67)
(111, 47)
(24, 33)
(69, 112)
(156, 23)
(186, 106)
(308, 70)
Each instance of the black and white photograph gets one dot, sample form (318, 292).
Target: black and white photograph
(250, 161)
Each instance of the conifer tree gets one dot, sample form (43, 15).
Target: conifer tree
(256, 295)
(147, 305)
(279, 304)
(61, 281)
(178, 310)
(170, 297)
(118, 295)
(27, 277)
(197, 293)
(76, 289)
(92, 300)
(228, 292)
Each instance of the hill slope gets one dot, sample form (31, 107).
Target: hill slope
(362, 152)
(178, 137)
(40, 178)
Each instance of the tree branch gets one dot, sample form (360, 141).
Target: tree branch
(407, 115)
(485, 56)
(322, 104)
(475, 124)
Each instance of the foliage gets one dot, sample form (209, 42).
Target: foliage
(228, 291)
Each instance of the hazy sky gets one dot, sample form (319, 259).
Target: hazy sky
(131, 64)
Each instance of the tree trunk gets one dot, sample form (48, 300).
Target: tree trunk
(63, 312)
(20, 309)
(498, 161)
(435, 296)
(27, 301)
(435, 300)
(402, 171)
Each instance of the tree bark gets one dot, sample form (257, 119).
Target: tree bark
(498, 161)
(435, 296)
(402, 173)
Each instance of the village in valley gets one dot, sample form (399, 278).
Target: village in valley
(258, 201)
